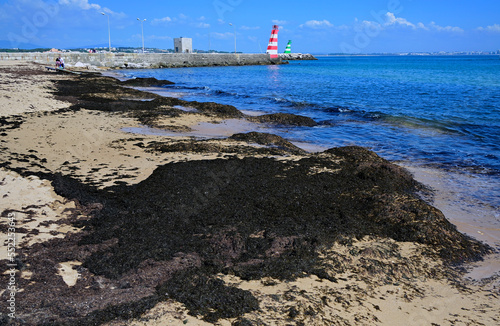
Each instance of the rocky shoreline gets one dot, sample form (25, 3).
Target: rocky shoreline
(296, 56)
(247, 229)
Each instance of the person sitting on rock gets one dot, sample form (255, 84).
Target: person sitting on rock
(60, 62)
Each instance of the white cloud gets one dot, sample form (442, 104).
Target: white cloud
(422, 26)
(82, 4)
(248, 28)
(202, 25)
(317, 24)
(180, 19)
(438, 28)
(279, 22)
(223, 36)
(160, 21)
(370, 25)
(85, 5)
(493, 28)
(343, 28)
(162, 38)
(393, 20)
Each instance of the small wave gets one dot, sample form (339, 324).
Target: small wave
(187, 87)
(443, 127)
(224, 93)
(229, 94)
(304, 104)
(315, 106)
(280, 100)
(339, 109)
(294, 104)
(328, 123)
(481, 131)
(375, 116)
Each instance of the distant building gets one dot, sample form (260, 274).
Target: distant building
(498, 52)
(183, 45)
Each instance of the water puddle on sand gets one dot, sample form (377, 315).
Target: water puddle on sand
(185, 108)
(311, 148)
(161, 91)
(223, 129)
(459, 197)
(114, 74)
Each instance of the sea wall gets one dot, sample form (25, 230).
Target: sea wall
(146, 60)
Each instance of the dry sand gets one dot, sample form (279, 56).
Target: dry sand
(30, 93)
(94, 148)
(38, 210)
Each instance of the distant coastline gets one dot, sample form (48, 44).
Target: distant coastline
(119, 50)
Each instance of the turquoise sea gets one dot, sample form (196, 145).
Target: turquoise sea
(439, 112)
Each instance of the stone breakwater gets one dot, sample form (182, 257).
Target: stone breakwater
(152, 60)
(296, 56)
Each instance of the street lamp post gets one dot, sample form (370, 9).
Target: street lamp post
(109, 31)
(234, 28)
(142, 29)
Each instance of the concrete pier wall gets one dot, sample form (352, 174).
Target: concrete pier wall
(145, 60)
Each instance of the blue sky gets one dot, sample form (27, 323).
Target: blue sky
(355, 26)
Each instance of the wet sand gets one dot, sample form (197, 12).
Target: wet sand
(470, 215)
(69, 161)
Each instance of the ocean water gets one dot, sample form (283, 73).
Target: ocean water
(439, 112)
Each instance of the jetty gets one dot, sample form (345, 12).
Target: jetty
(146, 60)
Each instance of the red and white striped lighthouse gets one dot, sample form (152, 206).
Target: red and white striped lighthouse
(272, 48)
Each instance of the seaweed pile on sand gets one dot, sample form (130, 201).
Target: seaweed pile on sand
(108, 95)
(172, 236)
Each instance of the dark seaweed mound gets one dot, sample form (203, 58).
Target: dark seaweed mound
(268, 140)
(285, 119)
(214, 207)
(191, 288)
(105, 94)
(146, 82)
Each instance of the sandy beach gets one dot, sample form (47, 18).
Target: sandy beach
(135, 209)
